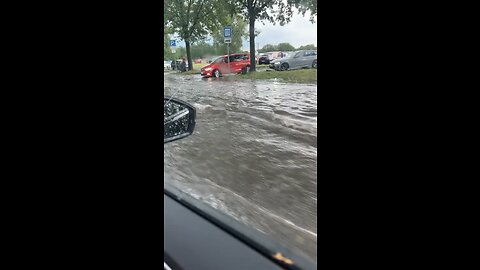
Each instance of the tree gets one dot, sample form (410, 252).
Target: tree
(267, 48)
(202, 49)
(307, 47)
(263, 10)
(191, 20)
(285, 47)
(305, 5)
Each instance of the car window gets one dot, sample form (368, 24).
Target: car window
(298, 54)
(219, 60)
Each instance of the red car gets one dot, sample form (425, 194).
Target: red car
(221, 66)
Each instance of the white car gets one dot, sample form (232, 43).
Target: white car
(167, 65)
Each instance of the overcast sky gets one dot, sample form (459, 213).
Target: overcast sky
(300, 31)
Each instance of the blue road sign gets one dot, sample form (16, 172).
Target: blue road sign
(173, 43)
(227, 31)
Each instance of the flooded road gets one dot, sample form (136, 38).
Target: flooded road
(253, 154)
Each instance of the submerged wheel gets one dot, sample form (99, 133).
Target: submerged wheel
(314, 64)
(216, 73)
(284, 66)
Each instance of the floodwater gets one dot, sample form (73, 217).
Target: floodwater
(253, 154)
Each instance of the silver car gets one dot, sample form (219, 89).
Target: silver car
(296, 60)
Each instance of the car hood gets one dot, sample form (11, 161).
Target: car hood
(207, 66)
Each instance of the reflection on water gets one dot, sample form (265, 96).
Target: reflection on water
(253, 154)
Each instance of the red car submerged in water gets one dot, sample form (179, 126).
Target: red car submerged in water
(223, 65)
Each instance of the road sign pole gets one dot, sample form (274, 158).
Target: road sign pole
(227, 38)
(173, 45)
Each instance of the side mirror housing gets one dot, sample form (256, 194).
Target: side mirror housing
(178, 119)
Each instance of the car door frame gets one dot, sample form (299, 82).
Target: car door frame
(295, 62)
(223, 66)
(234, 64)
(305, 59)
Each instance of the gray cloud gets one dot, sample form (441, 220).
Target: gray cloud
(300, 31)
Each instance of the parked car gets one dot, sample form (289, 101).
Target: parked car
(175, 65)
(198, 61)
(166, 65)
(221, 65)
(296, 60)
(284, 55)
(263, 60)
(275, 55)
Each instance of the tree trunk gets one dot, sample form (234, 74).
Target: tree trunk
(189, 55)
(252, 43)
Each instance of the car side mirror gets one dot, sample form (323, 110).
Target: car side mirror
(178, 119)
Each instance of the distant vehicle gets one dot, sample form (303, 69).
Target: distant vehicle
(198, 61)
(167, 65)
(263, 60)
(284, 55)
(221, 65)
(275, 55)
(175, 65)
(296, 60)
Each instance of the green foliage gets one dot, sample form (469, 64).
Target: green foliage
(262, 10)
(192, 20)
(180, 53)
(307, 47)
(239, 33)
(202, 49)
(305, 5)
(285, 47)
(268, 48)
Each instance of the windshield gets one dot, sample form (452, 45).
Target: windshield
(219, 60)
(253, 154)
